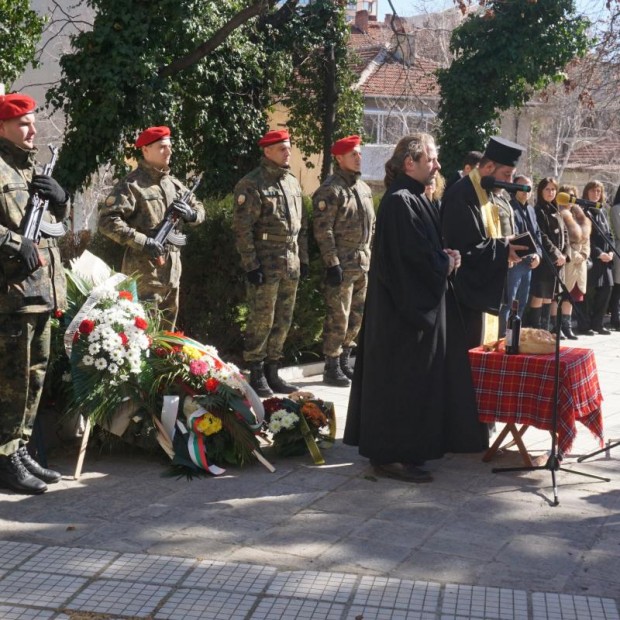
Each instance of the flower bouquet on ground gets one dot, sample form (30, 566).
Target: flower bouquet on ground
(210, 415)
(108, 343)
(300, 424)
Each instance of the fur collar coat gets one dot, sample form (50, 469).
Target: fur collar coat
(579, 228)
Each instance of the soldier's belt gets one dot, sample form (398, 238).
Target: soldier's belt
(349, 244)
(276, 238)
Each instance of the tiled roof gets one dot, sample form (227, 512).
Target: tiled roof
(362, 56)
(599, 154)
(381, 74)
(374, 36)
(394, 79)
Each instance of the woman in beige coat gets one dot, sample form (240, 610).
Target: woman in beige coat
(576, 269)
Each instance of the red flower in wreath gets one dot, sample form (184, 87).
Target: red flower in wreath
(125, 295)
(140, 323)
(211, 384)
(58, 313)
(124, 338)
(87, 326)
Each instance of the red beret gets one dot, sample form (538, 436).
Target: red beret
(344, 145)
(15, 105)
(273, 137)
(152, 134)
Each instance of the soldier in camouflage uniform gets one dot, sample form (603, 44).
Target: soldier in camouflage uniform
(32, 286)
(344, 220)
(132, 212)
(270, 226)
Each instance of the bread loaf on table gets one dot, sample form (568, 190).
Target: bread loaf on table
(531, 342)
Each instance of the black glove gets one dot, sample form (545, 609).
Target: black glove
(154, 248)
(256, 276)
(304, 270)
(48, 189)
(184, 210)
(29, 254)
(334, 275)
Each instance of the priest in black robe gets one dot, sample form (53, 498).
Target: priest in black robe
(412, 397)
(470, 224)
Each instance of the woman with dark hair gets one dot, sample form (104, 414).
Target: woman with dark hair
(555, 244)
(600, 278)
(614, 303)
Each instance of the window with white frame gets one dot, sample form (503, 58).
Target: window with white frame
(389, 126)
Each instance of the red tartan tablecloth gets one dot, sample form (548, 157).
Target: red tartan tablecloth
(518, 389)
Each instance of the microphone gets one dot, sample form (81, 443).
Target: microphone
(566, 199)
(490, 182)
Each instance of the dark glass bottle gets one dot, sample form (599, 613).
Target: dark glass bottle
(513, 329)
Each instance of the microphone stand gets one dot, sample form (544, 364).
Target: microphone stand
(610, 244)
(553, 462)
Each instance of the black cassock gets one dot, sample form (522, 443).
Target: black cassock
(412, 397)
(479, 282)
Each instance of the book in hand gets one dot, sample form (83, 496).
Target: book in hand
(525, 239)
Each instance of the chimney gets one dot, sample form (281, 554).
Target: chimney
(398, 23)
(361, 21)
(406, 48)
(394, 21)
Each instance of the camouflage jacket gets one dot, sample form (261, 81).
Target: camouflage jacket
(137, 204)
(270, 222)
(344, 221)
(45, 289)
(505, 213)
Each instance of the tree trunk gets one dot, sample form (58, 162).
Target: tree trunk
(331, 98)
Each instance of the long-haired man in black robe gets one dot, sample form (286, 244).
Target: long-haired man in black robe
(412, 398)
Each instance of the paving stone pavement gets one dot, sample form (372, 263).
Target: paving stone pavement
(330, 542)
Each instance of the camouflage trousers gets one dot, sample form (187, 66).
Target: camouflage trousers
(344, 311)
(270, 314)
(157, 285)
(24, 353)
(164, 299)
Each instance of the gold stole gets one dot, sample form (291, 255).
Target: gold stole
(490, 218)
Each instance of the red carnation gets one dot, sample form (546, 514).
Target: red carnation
(211, 384)
(58, 314)
(76, 337)
(87, 326)
(125, 295)
(124, 338)
(273, 404)
(140, 323)
(161, 352)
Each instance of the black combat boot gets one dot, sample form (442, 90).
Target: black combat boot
(47, 475)
(567, 328)
(14, 475)
(333, 375)
(275, 381)
(345, 358)
(258, 381)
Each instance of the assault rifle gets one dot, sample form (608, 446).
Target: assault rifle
(165, 229)
(33, 225)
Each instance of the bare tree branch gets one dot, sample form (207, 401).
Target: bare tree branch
(180, 64)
